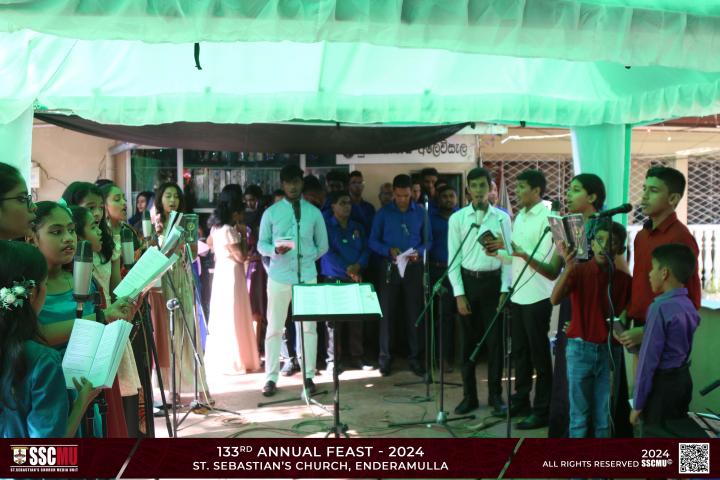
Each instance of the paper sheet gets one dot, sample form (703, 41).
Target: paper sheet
(152, 264)
(403, 259)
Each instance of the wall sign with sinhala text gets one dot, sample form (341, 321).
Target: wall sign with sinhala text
(455, 149)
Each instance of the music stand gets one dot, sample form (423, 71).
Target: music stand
(335, 302)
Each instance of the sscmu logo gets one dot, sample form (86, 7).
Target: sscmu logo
(44, 458)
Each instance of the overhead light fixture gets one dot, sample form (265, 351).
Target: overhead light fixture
(533, 137)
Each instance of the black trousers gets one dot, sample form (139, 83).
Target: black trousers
(483, 295)
(408, 293)
(669, 397)
(354, 331)
(530, 325)
(559, 420)
(449, 314)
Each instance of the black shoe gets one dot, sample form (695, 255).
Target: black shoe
(269, 389)
(520, 410)
(532, 422)
(290, 368)
(467, 405)
(385, 370)
(417, 369)
(310, 386)
(360, 364)
(499, 409)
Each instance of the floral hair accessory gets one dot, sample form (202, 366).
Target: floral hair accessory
(15, 296)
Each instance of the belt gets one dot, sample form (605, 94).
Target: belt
(671, 371)
(438, 264)
(480, 274)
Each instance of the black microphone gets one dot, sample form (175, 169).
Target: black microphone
(296, 209)
(555, 207)
(624, 208)
(147, 226)
(128, 247)
(82, 272)
(710, 388)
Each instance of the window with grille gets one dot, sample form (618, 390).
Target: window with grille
(702, 190)
(558, 170)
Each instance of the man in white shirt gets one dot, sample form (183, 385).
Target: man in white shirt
(280, 221)
(530, 306)
(480, 281)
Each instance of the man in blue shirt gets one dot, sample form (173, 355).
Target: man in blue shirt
(398, 227)
(279, 239)
(362, 211)
(446, 198)
(345, 262)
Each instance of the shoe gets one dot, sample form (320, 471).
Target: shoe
(467, 405)
(360, 364)
(269, 389)
(385, 370)
(499, 409)
(520, 410)
(290, 368)
(330, 366)
(532, 422)
(310, 386)
(418, 370)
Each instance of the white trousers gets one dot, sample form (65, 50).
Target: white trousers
(279, 297)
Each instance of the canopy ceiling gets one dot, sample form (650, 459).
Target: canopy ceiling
(548, 62)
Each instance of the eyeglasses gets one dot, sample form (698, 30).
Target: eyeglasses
(21, 198)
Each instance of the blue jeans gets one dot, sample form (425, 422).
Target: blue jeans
(588, 373)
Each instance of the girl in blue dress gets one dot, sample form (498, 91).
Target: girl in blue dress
(33, 398)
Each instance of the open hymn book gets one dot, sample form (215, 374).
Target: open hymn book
(335, 299)
(94, 352)
(149, 268)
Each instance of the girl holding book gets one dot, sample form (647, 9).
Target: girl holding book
(55, 236)
(177, 283)
(33, 398)
(87, 228)
(16, 205)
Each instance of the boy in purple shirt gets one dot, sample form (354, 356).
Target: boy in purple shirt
(663, 386)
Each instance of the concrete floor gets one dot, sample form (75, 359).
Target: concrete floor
(369, 403)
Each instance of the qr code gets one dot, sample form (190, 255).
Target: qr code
(694, 458)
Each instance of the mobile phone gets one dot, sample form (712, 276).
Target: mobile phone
(487, 236)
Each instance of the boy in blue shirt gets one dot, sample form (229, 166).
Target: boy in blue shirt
(663, 386)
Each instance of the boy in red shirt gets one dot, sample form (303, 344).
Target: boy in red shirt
(588, 351)
(662, 191)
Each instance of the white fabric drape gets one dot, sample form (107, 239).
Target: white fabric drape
(16, 142)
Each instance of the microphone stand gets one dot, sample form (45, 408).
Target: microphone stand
(304, 395)
(438, 289)
(428, 377)
(172, 305)
(506, 331)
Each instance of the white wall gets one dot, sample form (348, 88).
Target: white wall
(66, 156)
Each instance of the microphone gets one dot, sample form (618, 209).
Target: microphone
(555, 207)
(82, 271)
(296, 209)
(171, 241)
(624, 208)
(128, 247)
(147, 226)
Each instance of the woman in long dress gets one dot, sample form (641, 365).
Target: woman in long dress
(231, 344)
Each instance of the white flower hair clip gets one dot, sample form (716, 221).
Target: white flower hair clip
(15, 296)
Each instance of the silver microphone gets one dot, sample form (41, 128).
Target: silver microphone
(128, 247)
(82, 273)
(147, 226)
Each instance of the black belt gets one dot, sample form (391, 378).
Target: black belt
(480, 274)
(671, 371)
(438, 264)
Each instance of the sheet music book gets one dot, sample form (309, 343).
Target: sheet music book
(570, 230)
(94, 351)
(335, 299)
(141, 276)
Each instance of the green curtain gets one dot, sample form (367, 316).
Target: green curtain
(672, 33)
(16, 142)
(603, 150)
